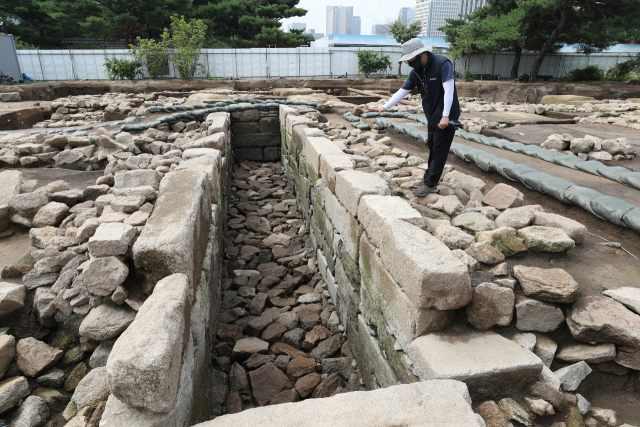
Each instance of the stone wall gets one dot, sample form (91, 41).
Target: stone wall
(256, 134)
(390, 280)
(159, 369)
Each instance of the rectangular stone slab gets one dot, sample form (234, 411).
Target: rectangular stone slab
(426, 269)
(426, 404)
(488, 363)
(10, 182)
(174, 240)
(382, 295)
(143, 369)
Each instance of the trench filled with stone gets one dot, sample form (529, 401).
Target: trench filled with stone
(280, 338)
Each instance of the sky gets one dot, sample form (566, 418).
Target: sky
(371, 12)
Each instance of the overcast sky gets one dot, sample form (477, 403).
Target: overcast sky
(370, 11)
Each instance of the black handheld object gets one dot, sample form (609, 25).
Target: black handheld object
(456, 125)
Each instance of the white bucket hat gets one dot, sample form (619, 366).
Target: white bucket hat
(412, 48)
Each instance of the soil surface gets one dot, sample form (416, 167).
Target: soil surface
(493, 91)
(538, 133)
(13, 249)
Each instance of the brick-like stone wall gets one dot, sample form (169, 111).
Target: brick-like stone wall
(159, 371)
(255, 134)
(390, 280)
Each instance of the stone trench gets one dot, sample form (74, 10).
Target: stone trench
(280, 337)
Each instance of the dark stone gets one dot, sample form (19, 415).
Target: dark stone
(327, 348)
(256, 360)
(269, 125)
(480, 277)
(253, 140)
(328, 386)
(243, 128)
(252, 154)
(294, 338)
(545, 392)
(271, 154)
(238, 379)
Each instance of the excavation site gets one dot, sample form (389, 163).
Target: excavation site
(252, 253)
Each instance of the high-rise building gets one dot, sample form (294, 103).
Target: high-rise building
(357, 25)
(407, 15)
(380, 30)
(315, 35)
(432, 14)
(297, 26)
(469, 6)
(339, 19)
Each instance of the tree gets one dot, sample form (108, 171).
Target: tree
(30, 20)
(593, 25)
(126, 19)
(403, 33)
(184, 40)
(461, 35)
(370, 61)
(249, 23)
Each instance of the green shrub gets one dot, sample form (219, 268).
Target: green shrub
(626, 70)
(184, 41)
(591, 73)
(468, 76)
(152, 55)
(120, 69)
(370, 61)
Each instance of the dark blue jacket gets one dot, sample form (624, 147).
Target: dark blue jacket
(429, 83)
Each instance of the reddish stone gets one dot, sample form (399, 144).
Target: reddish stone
(230, 334)
(266, 382)
(234, 403)
(306, 384)
(492, 414)
(282, 348)
(328, 386)
(285, 396)
(274, 332)
(300, 367)
(318, 333)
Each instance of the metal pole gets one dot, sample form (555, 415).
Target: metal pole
(41, 67)
(330, 63)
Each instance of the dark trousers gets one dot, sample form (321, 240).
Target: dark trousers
(439, 142)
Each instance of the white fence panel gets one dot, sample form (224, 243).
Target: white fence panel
(60, 65)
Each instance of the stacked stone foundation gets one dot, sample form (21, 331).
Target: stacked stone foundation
(390, 280)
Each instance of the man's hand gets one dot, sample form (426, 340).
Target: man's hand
(444, 122)
(378, 109)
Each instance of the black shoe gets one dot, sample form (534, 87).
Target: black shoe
(424, 190)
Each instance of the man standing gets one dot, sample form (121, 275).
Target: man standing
(433, 75)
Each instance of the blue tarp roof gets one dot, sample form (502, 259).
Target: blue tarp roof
(613, 49)
(338, 40)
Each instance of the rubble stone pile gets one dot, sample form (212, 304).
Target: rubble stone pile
(85, 110)
(121, 283)
(591, 147)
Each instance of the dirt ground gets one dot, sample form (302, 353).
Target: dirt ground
(494, 91)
